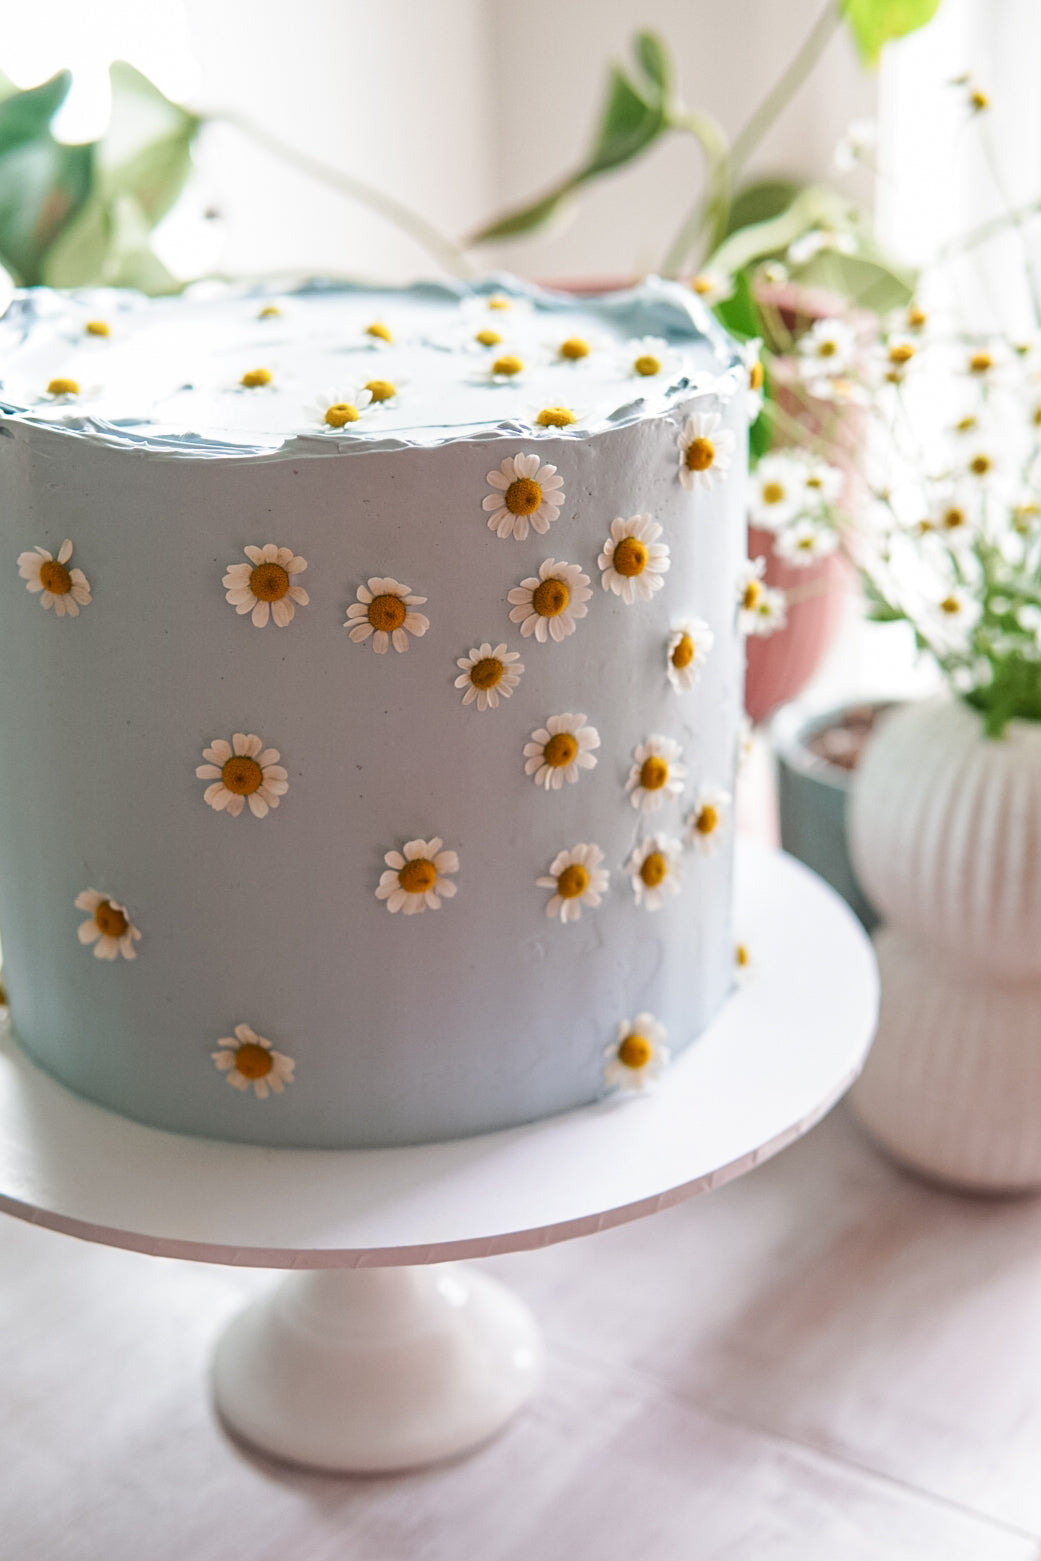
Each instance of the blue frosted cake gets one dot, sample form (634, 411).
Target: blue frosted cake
(370, 682)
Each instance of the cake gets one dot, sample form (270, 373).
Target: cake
(370, 688)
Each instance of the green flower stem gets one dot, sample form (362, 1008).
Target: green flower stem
(446, 252)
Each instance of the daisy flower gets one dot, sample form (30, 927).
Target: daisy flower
(633, 560)
(705, 450)
(761, 610)
(266, 587)
(384, 613)
(750, 356)
(558, 750)
(378, 335)
(827, 348)
(505, 368)
(777, 486)
(655, 868)
(64, 391)
(64, 589)
(712, 287)
(489, 674)
(242, 771)
(952, 620)
(649, 357)
(109, 927)
(707, 819)
(637, 1055)
(547, 605)
(860, 138)
(822, 484)
(524, 494)
(248, 1058)
(576, 879)
(384, 392)
(687, 652)
(744, 966)
(805, 543)
(256, 379)
(336, 410)
(498, 310)
(543, 418)
(573, 347)
(418, 877)
(656, 774)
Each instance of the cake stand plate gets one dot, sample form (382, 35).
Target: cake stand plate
(369, 1360)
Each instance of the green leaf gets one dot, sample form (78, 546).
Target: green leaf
(874, 23)
(43, 183)
(761, 201)
(26, 116)
(526, 218)
(654, 59)
(868, 282)
(738, 312)
(628, 125)
(108, 244)
(146, 153)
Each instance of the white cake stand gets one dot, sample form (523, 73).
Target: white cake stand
(373, 1358)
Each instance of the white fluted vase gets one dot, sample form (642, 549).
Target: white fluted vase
(945, 833)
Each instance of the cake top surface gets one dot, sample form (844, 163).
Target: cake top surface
(328, 367)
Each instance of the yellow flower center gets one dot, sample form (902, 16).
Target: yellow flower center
(635, 1052)
(497, 301)
(378, 330)
(966, 424)
(560, 750)
(387, 612)
(486, 672)
(109, 920)
(901, 352)
(980, 465)
(98, 328)
(814, 482)
(807, 543)
(683, 652)
(980, 362)
(653, 869)
(488, 338)
(707, 821)
(979, 101)
(741, 956)
(701, 452)
(916, 317)
(253, 1061)
(63, 387)
(269, 312)
(647, 364)
(654, 772)
(953, 519)
(341, 412)
(381, 389)
(701, 285)
(555, 417)
(550, 598)
(573, 881)
(242, 775)
(507, 365)
(951, 606)
(523, 496)
(630, 557)
(1037, 417)
(773, 492)
(752, 592)
(54, 577)
(417, 876)
(269, 582)
(756, 375)
(574, 348)
(253, 378)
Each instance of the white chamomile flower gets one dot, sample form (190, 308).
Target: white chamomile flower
(574, 347)
(546, 605)
(503, 367)
(822, 484)
(267, 586)
(336, 410)
(893, 358)
(761, 609)
(776, 491)
(983, 462)
(557, 751)
(687, 652)
(638, 1054)
(385, 612)
(384, 390)
(708, 818)
(750, 353)
(817, 240)
(256, 379)
(524, 494)
(705, 450)
(633, 561)
(243, 771)
(744, 966)
(952, 620)
(656, 773)
(64, 589)
(109, 927)
(576, 879)
(488, 675)
(418, 878)
(860, 139)
(805, 542)
(827, 348)
(248, 1058)
(650, 358)
(712, 286)
(656, 870)
(549, 419)
(503, 311)
(953, 523)
(64, 391)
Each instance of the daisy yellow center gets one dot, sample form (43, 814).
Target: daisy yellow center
(980, 465)
(54, 577)
(269, 582)
(630, 557)
(826, 348)
(498, 302)
(98, 328)
(701, 452)
(574, 348)
(647, 364)
(486, 672)
(654, 772)
(560, 750)
(701, 285)
(488, 338)
(242, 775)
(550, 598)
(741, 956)
(378, 331)
(979, 101)
(341, 412)
(752, 592)
(573, 881)
(916, 317)
(980, 362)
(900, 353)
(683, 652)
(555, 417)
(953, 519)
(269, 312)
(1037, 417)
(653, 869)
(508, 365)
(63, 387)
(417, 876)
(814, 482)
(707, 821)
(381, 389)
(386, 612)
(965, 425)
(253, 1061)
(806, 543)
(253, 378)
(635, 1051)
(755, 376)
(773, 492)
(523, 496)
(109, 920)
(951, 606)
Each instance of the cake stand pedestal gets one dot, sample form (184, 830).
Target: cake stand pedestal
(378, 1356)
